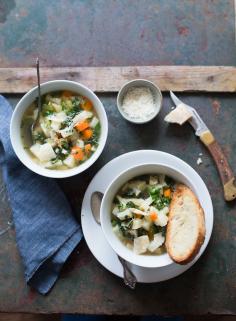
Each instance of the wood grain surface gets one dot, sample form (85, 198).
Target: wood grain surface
(110, 79)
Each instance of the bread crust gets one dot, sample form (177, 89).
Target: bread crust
(180, 192)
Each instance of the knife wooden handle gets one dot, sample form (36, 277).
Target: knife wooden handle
(226, 174)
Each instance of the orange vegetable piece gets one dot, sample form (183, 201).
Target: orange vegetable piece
(167, 192)
(153, 216)
(82, 126)
(67, 94)
(77, 153)
(87, 148)
(87, 133)
(87, 105)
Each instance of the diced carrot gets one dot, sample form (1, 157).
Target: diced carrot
(153, 216)
(87, 133)
(87, 148)
(167, 192)
(87, 105)
(82, 126)
(77, 153)
(67, 94)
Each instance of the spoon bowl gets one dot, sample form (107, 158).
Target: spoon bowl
(95, 202)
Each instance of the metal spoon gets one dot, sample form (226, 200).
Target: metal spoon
(39, 103)
(129, 278)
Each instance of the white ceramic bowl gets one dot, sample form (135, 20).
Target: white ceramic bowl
(147, 261)
(156, 93)
(26, 101)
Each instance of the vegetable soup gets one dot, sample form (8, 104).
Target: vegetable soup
(140, 213)
(67, 133)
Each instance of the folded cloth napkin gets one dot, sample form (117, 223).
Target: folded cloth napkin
(46, 231)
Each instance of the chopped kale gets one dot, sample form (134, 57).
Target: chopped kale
(76, 103)
(154, 191)
(125, 229)
(63, 105)
(66, 123)
(54, 160)
(115, 221)
(39, 137)
(47, 113)
(163, 231)
(65, 145)
(96, 134)
(73, 112)
(121, 207)
(130, 204)
(161, 202)
(129, 192)
(60, 155)
(144, 194)
(169, 181)
(154, 229)
(141, 231)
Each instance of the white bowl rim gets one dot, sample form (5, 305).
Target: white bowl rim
(146, 83)
(21, 153)
(142, 260)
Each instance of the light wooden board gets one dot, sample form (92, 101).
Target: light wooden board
(110, 79)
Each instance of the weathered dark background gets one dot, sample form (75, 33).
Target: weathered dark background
(109, 32)
(117, 32)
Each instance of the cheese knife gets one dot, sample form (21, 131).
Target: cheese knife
(183, 113)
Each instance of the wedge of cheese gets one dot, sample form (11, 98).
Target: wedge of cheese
(179, 115)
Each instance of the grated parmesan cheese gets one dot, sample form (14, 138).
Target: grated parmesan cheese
(138, 103)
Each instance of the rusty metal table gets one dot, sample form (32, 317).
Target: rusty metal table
(134, 32)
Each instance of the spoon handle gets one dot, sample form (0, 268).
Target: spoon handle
(129, 277)
(39, 88)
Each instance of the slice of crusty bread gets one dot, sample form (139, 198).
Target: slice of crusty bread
(186, 226)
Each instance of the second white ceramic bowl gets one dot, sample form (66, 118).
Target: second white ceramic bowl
(148, 261)
(28, 99)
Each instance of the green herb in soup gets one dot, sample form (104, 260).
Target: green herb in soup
(68, 131)
(140, 213)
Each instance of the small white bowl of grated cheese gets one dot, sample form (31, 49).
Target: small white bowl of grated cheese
(139, 101)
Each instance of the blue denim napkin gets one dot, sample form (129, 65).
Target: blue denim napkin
(46, 231)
